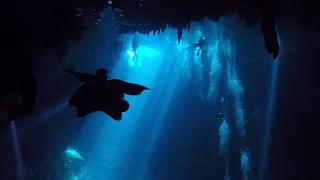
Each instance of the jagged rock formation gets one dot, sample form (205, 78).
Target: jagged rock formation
(47, 24)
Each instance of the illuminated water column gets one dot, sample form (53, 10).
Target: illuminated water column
(153, 64)
(245, 164)
(235, 86)
(224, 133)
(203, 67)
(224, 127)
(205, 71)
(155, 109)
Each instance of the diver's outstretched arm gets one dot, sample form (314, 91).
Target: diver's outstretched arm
(84, 77)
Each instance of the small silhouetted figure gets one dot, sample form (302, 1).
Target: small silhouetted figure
(134, 48)
(100, 94)
(200, 44)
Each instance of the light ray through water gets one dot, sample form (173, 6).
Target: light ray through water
(269, 115)
(157, 63)
(245, 164)
(151, 69)
(269, 119)
(19, 171)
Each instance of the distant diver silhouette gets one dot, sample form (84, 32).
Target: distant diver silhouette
(199, 45)
(134, 48)
(100, 94)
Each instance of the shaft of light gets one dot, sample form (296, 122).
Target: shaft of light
(269, 121)
(16, 150)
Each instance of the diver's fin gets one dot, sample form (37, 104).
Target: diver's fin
(127, 88)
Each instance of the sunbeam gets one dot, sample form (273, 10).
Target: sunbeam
(193, 122)
(269, 120)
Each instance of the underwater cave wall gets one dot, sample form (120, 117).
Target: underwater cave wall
(296, 110)
(186, 144)
(51, 128)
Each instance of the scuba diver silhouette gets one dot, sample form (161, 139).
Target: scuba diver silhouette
(100, 76)
(100, 94)
(134, 45)
(199, 45)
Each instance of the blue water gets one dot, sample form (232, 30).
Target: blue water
(192, 124)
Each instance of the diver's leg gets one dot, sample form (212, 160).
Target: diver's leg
(115, 115)
(135, 57)
(124, 105)
(114, 112)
